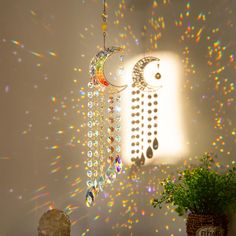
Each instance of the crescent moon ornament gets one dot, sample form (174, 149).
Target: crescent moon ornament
(144, 140)
(97, 70)
(104, 103)
(104, 115)
(138, 74)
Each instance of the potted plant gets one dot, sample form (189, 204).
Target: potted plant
(204, 194)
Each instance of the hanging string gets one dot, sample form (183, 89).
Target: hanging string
(104, 23)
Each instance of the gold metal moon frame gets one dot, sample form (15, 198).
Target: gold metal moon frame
(97, 70)
(138, 74)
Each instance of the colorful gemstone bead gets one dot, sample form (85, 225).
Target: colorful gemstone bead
(118, 164)
(104, 26)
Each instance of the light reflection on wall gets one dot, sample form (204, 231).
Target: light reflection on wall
(171, 130)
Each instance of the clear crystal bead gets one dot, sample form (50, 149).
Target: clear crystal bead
(95, 173)
(90, 85)
(118, 138)
(118, 127)
(90, 164)
(90, 94)
(90, 144)
(101, 182)
(89, 183)
(89, 173)
(90, 124)
(96, 133)
(90, 134)
(96, 93)
(90, 104)
(89, 154)
(95, 163)
(118, 148)
(118, 118)
(90, 114)
(110, 175)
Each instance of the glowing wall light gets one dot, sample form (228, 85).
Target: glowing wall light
(171, 135)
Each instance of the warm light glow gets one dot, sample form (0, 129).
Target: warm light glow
(171, 135)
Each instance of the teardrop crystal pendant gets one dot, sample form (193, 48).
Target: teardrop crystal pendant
(142, 159)
(149, 152)
(155, 144)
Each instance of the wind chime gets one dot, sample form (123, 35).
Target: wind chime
(144, 114)
(104, 140)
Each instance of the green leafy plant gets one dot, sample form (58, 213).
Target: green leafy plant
(201, 189)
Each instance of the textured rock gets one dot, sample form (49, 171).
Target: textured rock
(54, 223)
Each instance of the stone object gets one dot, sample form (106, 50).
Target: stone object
(54, 223)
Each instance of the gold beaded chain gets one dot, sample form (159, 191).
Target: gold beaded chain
(104, 23)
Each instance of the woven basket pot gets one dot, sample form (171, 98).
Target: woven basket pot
(207, 225)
